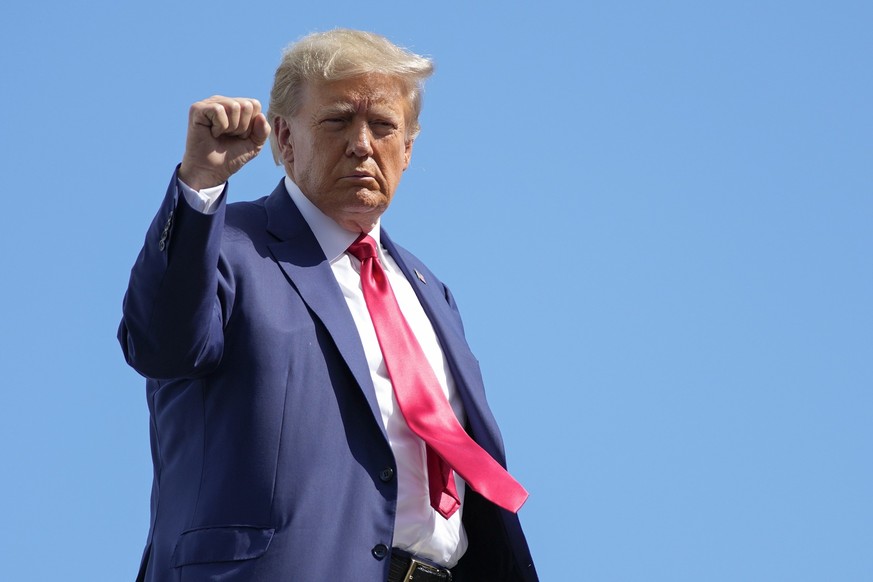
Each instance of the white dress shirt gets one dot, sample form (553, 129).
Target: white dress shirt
(418, 528)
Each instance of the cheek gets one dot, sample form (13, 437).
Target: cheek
(319, 174)
(399, 164)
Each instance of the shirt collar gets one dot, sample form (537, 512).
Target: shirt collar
(333, 239)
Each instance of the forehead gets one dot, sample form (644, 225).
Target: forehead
(358, 93)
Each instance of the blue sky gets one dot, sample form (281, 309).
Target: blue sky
(656, 218)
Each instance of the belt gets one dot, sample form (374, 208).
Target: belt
(405, 567)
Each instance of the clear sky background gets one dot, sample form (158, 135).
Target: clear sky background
(657, 218)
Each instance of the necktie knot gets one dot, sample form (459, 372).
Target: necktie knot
(364, 247)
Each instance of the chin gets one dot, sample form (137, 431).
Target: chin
(371, 199)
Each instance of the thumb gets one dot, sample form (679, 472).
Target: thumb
(260, 130)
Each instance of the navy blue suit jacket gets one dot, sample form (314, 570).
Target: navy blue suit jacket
(270, 458)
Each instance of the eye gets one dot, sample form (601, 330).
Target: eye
(333, 122)
(383, 127)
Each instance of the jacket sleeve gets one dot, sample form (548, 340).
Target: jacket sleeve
(178, 295)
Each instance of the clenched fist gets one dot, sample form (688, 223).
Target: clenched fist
(224, 134)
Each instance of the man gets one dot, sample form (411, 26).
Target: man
(308, 381)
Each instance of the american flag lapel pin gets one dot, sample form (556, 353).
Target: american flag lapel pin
(420, 276)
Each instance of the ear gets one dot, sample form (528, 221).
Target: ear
(283, 139)
(407, 155)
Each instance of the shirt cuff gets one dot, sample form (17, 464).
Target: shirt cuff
(204, 201)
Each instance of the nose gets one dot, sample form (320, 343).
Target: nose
(359, 141)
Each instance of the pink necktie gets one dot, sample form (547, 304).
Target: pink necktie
(423, 404)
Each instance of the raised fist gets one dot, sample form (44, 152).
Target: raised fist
(224, 134)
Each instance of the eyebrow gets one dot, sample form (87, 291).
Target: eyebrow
(348, 108)
(338, 109)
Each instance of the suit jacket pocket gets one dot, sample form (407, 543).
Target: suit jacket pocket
(221, 544)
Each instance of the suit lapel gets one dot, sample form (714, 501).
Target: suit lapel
(301, 259)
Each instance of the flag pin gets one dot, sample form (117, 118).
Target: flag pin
(420, 276)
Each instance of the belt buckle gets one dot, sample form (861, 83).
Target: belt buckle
(427, 568)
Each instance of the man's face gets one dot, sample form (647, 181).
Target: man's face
(347, 147)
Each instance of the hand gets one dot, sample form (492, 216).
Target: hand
(224, 134)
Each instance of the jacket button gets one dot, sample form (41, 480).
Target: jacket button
(380, 551)
(386, 474)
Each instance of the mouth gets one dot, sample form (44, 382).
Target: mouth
(361, 179)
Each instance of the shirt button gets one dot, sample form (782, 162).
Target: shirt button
(380, 551)
(386, 474)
